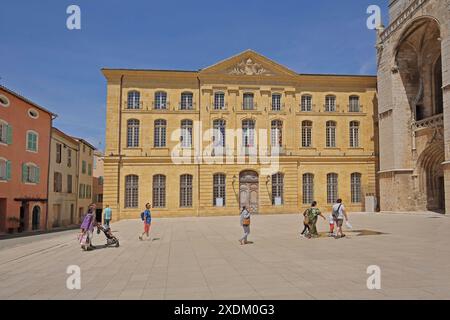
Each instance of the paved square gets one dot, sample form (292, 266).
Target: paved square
(200, 258)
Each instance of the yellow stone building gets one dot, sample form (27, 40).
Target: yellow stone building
(245, 131)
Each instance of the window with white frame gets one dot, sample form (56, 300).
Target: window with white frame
(69, 157)
(330, 103)
(4, 101)
(58, 152)
(219, 188)
(277, 189)
(248, 133)
(30, 173)
(354, 105)
(219, 101)
(276, 133)
(160, 100)
(186, 133)
(186, 101)
(355, 187)
(160, 133)
(306, 103)
(306, 134)
(133, 133)
(332, 187)
(32, 141)
(186, 191)
(276, 102)
(5, 170)
(134, 100)
(5, 132)
(131, 191)
(308, 188)
(248, 101)
(331, 134)
(354, 134)
(159, 191)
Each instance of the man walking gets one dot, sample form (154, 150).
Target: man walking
(107, 215)
(339, 214)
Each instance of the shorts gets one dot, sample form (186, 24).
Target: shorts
(339, 222)
(147, 227)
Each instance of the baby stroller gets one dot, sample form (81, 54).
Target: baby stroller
(111, 240)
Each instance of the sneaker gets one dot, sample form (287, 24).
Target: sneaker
(140, 238)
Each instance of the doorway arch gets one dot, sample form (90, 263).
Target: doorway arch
(249, 190)
(36, 218)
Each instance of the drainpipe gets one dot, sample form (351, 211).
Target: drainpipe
(120, 143)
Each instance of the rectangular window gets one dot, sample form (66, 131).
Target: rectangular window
(32, 142)
(308, 188)
(306, 134)
(186, 191)
(69, 157)
(5, 133)
(219, 190)
(83, 167)
(30, 173)
(276, 102)
(159, 191)
(58, 153)
(356, 187)
(57, 182)
(332, 187)
(306, 104)
(131, 191)
(69, 183)
(330, 104)
(219, 101)
(5, 170)
(354, 105)
(248, 101)
(90, 169)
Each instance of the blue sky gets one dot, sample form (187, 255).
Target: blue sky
(60, 69)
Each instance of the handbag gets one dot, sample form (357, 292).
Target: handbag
(246, 222)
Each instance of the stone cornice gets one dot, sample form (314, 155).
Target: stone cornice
(397, 23)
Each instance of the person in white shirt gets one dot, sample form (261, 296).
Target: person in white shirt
(339, 215)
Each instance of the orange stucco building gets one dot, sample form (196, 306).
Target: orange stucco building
(25, 131)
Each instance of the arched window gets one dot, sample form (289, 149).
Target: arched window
(133, 133)
(32, 141)
(219, 190)
(134, 100)
(306, 134)
(159, 191)
(219, 101)
(160, 100)
(330, 103)
(331, 134)
(186, 101)
(186, 191)
(306, 104)
(248, 101)
(332, 187)
(308, 188)
(353, 104)
(276, 102)
(5, 132)
(248, 133)
(354, 134)
(131, 191)
(186, 133)
(355, 187)
(277, 189)
(219, 127)
(159, 135)
(438, 92)
(276, 133)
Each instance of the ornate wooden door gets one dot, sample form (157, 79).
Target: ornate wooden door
(248, 191)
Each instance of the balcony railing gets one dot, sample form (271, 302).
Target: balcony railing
(330, 108)
(354, 108)
(250, 107)
(133, 105)
(220, 106)
(186, 106)
(161, 105)
(430, 122)
(307, 107)
(277, 107)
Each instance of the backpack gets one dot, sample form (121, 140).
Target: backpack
(142, 215)
(335, 213)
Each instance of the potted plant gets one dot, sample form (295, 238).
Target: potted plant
(13, 224)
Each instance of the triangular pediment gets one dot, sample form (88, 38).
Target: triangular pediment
(248, 63)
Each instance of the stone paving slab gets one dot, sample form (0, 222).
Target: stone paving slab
(200, 258)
